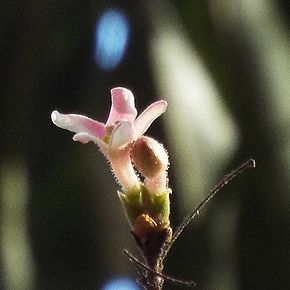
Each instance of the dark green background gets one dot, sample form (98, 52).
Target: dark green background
(75, 223)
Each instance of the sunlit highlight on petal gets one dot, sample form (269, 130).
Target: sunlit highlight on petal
(122, 135)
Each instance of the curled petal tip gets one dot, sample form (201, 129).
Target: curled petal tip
(122, 96)
(60, 120)
(54, 116)
(119, 90)
(163, 105)
(123, 106)
(84, 138)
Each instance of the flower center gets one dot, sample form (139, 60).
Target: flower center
(109, 130)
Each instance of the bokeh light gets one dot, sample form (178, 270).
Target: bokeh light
(111, 38)
(121, 283)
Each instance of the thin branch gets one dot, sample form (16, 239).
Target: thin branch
(141, 265)
(225, 180)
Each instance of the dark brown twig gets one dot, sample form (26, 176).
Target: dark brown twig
(142, 266)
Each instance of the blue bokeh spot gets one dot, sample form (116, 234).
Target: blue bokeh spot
(111, 38)
(121, 284)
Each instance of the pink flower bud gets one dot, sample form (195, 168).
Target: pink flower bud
(149, 157)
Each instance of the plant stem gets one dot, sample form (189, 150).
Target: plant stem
(151, 248)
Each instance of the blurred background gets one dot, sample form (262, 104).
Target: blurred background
(224, 68)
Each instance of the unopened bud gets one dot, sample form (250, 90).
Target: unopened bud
(149, 157)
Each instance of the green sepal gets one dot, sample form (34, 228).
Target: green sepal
(161, 207)
(132, 205)
(156, 205)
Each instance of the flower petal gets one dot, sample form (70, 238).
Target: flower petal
(79, 124)
(123, 106)
(122, 135)
(145, 119)
(84, 138)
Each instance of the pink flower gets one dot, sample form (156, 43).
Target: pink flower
(116, 136)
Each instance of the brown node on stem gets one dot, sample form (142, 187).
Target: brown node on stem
(150, 237)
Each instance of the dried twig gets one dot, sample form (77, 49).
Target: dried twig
(167, 278)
